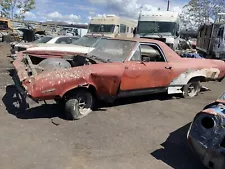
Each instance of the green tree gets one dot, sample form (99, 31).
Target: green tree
(197, 12)
(8, 8)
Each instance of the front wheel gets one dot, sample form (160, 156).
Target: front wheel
(192, 89)
(79, 104)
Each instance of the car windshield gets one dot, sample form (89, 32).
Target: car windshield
(152, 27)
(96, 28)
(43, 39)
(109, 50)
(86, 41)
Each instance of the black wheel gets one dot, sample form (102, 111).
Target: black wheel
(79, 104)
(192, 89)
(221, 79)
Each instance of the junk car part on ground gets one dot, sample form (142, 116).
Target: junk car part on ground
(115, 68)
(206, 134)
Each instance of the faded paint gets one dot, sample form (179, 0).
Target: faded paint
(177, 84)
(110, 79)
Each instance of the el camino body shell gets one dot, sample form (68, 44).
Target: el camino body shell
(206, 135)
(120, 79)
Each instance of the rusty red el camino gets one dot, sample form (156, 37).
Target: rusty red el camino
(115, 68)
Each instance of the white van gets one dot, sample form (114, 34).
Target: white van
(111, 26)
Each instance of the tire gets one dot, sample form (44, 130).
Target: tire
(195, 88)
(73, 110)
(221, 79)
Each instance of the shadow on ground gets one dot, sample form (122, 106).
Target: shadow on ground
(137, 99)
(176, 153)
(17, 106)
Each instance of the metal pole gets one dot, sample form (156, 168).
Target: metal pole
(168, 5)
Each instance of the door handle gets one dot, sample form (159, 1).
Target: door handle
(168, 67)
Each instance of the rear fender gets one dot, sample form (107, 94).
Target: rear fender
(191, 74)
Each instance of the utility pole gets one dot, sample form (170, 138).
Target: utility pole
(168, 5)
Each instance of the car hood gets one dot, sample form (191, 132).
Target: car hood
(24, 45)
(83, 72)
(60, 48)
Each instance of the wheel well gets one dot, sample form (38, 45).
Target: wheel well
(90, 88)
(198, 78)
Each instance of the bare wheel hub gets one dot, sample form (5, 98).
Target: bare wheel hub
(84, 102)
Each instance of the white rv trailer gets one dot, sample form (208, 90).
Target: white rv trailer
(111, 26)
(160, 25)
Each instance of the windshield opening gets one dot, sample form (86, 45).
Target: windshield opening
(43, 39)
(86, 41)
(153, 27)
(97, 28)
(111, 50)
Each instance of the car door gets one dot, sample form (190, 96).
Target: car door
(146, 69)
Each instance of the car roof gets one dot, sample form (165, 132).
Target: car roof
(141, 40)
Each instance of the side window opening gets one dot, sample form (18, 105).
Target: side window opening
(151, 53)
(220, 33)
(122, 28)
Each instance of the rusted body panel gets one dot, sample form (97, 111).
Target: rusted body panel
(51, 84)
(206, 135)
(112, 79)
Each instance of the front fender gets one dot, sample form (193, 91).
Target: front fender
(105, 85)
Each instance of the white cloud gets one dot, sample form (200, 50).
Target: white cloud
(30, 15)
(91, 13)
(89, 18)
(56, 16)
(131, 8)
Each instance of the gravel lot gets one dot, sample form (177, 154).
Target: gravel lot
(137, 133)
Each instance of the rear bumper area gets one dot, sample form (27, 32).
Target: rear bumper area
(19, 86)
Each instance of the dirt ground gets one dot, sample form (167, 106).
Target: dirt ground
(137, 133)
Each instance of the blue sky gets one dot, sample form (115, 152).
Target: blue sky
(80, 11)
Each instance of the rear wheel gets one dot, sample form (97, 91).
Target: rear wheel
(79, 104)
(192, 89)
